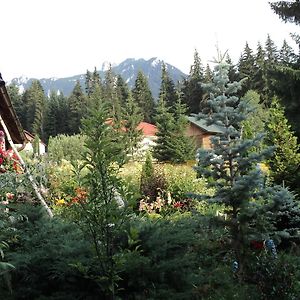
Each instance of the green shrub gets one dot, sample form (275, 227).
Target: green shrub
(44, 253)
(66, 147)
(182, 180)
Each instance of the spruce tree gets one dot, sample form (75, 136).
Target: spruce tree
(208, 74)
(285, 160)
(122, 90)
(78, 108)
(92, 81)
(173, 145)
(34, 107)
(56, 116)
(110, 95)
(142, 95)
(232, 170)
(167, 88)
(192, 92)
(232, 73)
(246, 68)
(164, 120)
(183, 146)
(287, 56)
(287, 83)
(259, 79)
(132, 118)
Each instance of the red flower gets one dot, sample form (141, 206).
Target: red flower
(257, 245)
(1, 160)
(178, 204)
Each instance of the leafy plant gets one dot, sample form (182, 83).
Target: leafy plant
(102, 212)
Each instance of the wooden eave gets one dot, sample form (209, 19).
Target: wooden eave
(9, 116)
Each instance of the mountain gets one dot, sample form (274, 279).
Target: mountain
(128, 69)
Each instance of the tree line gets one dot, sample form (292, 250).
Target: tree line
(267, 71)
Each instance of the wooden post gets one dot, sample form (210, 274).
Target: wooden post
(35, 187)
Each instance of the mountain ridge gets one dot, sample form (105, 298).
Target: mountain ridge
(128, 69)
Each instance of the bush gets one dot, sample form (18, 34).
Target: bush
(44, 253)
(66, 147)
(182, 180)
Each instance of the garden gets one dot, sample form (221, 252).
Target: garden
(216, 227)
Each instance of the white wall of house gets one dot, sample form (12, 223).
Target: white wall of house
(29, 147)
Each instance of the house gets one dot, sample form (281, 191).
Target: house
(29, 146)
(9, 116)
(148, 137)
(201, 132)
(148, 132)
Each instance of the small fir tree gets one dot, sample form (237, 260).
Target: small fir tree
(132, 118)
(285, 160)
(165, 125)
(173, 145)
(183, 146)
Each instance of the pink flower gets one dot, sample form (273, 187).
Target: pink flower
(10, 196)
(178, 204)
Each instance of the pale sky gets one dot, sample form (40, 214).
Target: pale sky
(61, 38)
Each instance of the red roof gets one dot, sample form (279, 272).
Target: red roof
(147, 129)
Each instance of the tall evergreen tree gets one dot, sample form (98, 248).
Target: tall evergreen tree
(288, 77)
(208, 74)
(232, 73)
(17, 102)
(164, 120)
(167, 88)
(183, 146)
(287, 56)
(143, 97)
(285, 161)
(132, 117)
(246, 68)
(271, 52)
(259, 79)
(172, 144)
(57, 115)
(34, 105)
(92, 81)
(78, 108)
(192, 92)
(122, 90)
(94, 89)
(110, 95)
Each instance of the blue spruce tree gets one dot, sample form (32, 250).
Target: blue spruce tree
(233, 170)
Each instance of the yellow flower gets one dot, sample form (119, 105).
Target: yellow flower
(263, 168)
(60, 202)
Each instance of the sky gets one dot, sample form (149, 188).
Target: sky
(61, 38)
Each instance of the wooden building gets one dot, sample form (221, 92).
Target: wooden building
(202, 133)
